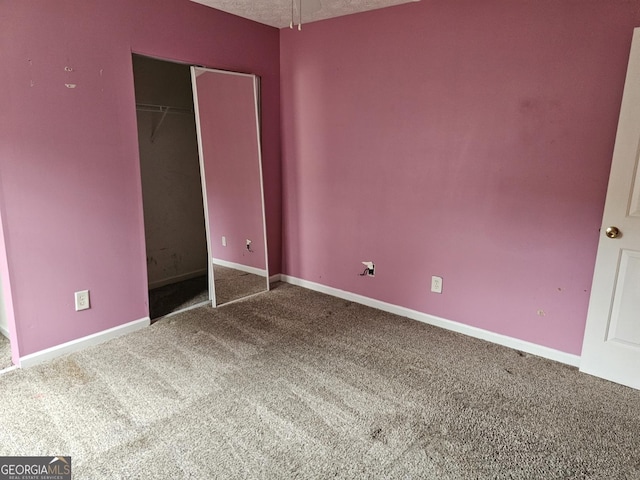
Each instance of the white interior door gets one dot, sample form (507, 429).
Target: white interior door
(611, 347)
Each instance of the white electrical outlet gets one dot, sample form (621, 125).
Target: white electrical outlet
(436, 284)
(249, 245)
(224, 241)
(82, 300)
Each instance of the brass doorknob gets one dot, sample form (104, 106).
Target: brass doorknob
(612, 232)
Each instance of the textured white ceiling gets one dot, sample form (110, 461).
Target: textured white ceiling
(277, 13)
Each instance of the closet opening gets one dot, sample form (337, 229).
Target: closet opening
(174, 221)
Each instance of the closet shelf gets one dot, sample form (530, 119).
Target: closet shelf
(148, 107)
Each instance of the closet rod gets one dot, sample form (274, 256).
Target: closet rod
(148, 107)
(163, 109)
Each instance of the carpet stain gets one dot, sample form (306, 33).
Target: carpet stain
(70, 374)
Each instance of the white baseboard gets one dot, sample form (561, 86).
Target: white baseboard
(275, 278)
(82, 343)
(177, 278)
(528, 347)
(8, 369)
(4, 331)
(238, 266)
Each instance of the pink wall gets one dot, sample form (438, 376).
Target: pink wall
(459, 138)
(70, 182)
(227, 113)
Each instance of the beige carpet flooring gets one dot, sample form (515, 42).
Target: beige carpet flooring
(298, 385)
(5, 352)
(177, 296)
(232, 284)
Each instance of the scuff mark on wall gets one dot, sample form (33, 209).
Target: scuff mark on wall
(69, 70)
(31, 81)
